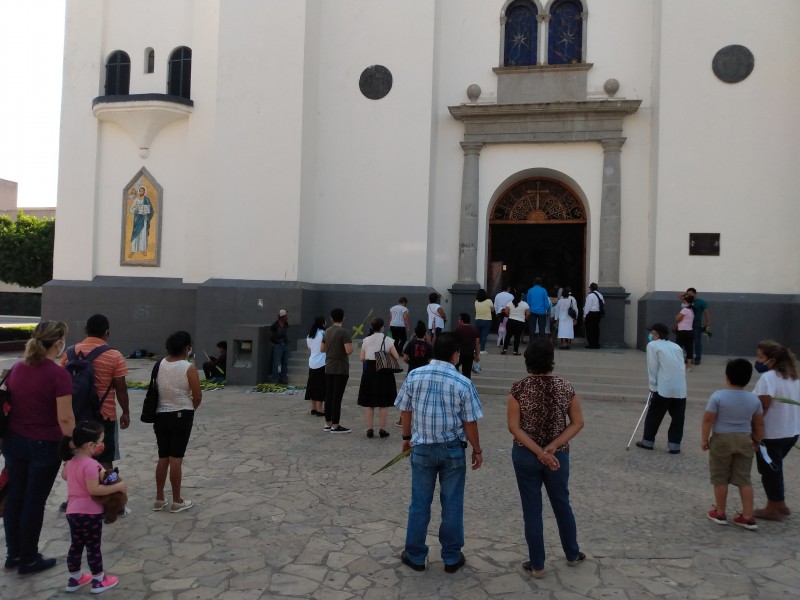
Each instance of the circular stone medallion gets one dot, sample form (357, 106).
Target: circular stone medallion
(733, 64)
(375, 82)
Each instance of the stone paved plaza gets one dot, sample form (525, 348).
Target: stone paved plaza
(284, 510)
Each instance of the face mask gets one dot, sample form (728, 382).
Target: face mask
(63, 346)
(99, 449)
(649, 337)
(761, 367)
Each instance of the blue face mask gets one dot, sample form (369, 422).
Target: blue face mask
(649, 337)
(761, 367)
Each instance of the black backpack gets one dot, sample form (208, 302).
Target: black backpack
(86, 403)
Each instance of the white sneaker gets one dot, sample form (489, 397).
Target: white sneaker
(177, 507)
(160, 504)
(484, 352)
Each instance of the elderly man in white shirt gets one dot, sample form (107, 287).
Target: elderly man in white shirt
(666, 372)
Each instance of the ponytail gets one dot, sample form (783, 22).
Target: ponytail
(86, 431)
(64, 451)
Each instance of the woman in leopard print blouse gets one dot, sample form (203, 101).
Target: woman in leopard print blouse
(544, 413)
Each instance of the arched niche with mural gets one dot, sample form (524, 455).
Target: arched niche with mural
(537, 228)
(142, 209)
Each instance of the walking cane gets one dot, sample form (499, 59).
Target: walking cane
(639, 422)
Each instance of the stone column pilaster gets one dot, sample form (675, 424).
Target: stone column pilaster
(610, 214)
(468, 231)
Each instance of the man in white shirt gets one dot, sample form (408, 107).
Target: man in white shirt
(502, 299)
(591, 315)
(666, 372)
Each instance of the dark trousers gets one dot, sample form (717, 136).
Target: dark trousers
(334, 391)
(772, 476)
(513, 328)
(86, 531)
(32, 469)
(465, 364)
(280, 358)
(697, 330)
(536, 320)
(685, 339)
(400, 337)
(660, 406)
(592, 322)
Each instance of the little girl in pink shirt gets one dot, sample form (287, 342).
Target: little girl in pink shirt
(84, 514)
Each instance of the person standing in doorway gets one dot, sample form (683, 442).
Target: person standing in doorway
(593, 309)
(539, 303)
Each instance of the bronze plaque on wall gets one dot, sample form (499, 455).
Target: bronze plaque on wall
(703, 244)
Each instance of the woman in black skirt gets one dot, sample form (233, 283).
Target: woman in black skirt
(315, 388)
(378, 388)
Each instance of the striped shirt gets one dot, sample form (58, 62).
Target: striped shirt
(109, 365)
(441, 400)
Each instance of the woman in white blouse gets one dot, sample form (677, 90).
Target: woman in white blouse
(378, 388)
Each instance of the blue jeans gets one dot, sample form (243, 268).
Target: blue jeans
(280, 356)
(32, 469)
(697, 330)
(484, 327)
(772, 477)
(534, 320)
(531, 474)
(447, 462)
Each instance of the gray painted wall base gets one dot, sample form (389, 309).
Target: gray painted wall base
(144, 310)
(738, 321)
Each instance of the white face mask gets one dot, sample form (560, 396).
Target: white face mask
(63, 346)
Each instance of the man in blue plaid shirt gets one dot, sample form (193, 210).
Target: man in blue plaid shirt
(439, 412)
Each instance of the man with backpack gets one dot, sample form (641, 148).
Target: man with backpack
(94, 359)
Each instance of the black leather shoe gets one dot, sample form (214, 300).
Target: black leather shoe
(456, 565)
(674, 451)
(407, 562)
(641, 445)
(40, 564)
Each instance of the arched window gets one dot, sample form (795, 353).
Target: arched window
(149, 60)
(118, 74)
(565, 33)
(180, 72)
(520, 34)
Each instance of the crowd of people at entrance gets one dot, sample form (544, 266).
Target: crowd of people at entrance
(64, 411)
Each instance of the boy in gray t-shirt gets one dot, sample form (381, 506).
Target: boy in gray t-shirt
(737, 420)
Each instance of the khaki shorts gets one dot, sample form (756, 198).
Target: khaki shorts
(730, 459)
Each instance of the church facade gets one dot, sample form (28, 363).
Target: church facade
(221, 160)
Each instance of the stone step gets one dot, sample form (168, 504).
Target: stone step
(613, 374)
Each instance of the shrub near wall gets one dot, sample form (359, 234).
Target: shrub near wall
(26, 250)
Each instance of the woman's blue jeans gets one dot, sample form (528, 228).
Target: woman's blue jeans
(531, 474)
(32, 469)
(484, 327)
(447, 462)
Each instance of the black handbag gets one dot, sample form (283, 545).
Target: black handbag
(151, 398)
(571, 311)
(5, 407)
(384, 361)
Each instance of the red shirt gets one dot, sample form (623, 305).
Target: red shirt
(34, 389)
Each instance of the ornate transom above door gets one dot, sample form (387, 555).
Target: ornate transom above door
(538, 201)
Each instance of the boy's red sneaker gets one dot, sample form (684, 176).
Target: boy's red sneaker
(742, 522)
(716, 517)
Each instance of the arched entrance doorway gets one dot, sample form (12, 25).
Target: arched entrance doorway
(537, 228)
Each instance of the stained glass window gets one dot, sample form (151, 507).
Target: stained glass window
(118, 74)
(520, 38)
(565, 34)
(180, 72)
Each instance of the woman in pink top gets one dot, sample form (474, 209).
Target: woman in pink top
(41, 413)
(84, 513)
(685, 335)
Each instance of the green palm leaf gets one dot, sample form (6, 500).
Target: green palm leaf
(396, 459)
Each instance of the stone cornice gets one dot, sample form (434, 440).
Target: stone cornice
(547, 122)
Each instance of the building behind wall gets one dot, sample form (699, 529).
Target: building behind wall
(307, 153)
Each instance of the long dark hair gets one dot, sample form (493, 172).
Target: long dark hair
(319, 323)
(481, 295)
(87, 431)
(517, 297)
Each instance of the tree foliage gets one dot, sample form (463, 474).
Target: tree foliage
(26, 250)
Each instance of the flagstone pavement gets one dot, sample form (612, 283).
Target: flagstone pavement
(284, 510)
